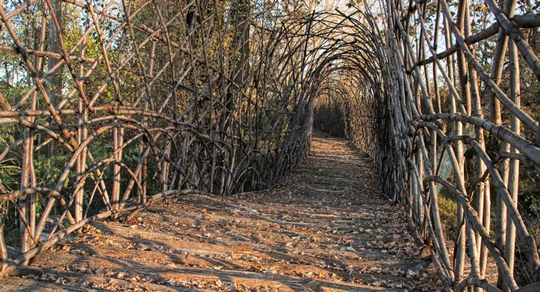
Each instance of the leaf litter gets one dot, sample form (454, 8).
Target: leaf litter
(324, 228)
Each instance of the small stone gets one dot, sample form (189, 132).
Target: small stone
(418, 267)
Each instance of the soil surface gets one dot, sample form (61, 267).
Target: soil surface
(324, 228)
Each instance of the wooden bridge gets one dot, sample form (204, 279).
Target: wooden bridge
(154, 144)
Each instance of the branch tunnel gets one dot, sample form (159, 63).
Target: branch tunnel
(106, 107)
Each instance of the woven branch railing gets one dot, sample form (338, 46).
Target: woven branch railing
(453, 126)
(450, 142)
(107, 106)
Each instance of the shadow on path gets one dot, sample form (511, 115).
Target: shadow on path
(324, 228)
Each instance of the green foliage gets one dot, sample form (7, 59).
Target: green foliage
(11, 220)
(48, 170)
(529, 197)
(447, 212)
(9, 167)
(9, 174)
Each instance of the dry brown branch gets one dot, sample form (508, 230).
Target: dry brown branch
(4, 104)
(475, 282)
(522, 21)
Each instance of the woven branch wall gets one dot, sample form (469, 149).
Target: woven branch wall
(108, 105)
(453, 126)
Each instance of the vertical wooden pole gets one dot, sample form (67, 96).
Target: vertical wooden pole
(3, 248)
(513, 182)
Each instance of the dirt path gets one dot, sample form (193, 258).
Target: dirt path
(324, 228)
